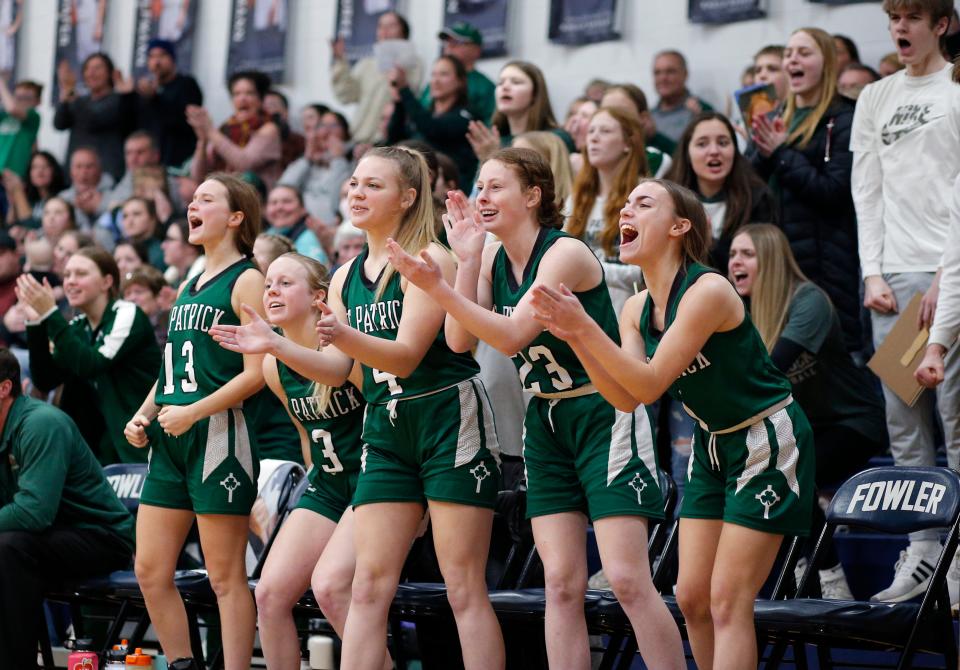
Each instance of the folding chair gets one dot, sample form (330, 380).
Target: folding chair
(894, 500)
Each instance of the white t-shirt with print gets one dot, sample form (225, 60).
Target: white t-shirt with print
(906, 145)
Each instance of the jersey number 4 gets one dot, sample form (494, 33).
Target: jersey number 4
(323, 437)
(189, 383)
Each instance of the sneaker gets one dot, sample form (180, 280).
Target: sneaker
(598, 581)
(833, 584)
(911, 576)
(953, 581)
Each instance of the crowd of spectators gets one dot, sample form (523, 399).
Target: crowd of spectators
(828, 213)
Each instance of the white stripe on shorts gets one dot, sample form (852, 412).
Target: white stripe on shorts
(620, 448)
(468, 435)
(788, 454)
(241, 448)
(758, 454)
(218, 443)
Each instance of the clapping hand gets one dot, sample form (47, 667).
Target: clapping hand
(255, 337)
(465, 232)
(768, 135)
(38, 297)
(328, 326)
(423, 273)
(559, 311)
(483, 140)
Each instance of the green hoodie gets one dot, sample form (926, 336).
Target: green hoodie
(49, 476)
(119, 357)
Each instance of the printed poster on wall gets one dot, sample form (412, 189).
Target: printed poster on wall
(171, 20)
(583, 21)
(725, 11)
(79, 34)
(11, 20)
(258, 37)
(357, 25)
(487, 16)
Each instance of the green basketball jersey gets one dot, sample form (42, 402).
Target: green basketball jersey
(194, 366)
(548, 364)
(732, 378)
(334, 431)
(439, 368)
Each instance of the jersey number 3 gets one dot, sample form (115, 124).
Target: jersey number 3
(189, 383)
(323, 437)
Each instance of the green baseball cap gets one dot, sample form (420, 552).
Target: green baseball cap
(461, 31)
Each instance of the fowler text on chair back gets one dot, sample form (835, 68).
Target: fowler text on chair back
(127, 479)
(898, 499)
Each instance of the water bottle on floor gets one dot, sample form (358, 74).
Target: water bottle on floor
(321, 652)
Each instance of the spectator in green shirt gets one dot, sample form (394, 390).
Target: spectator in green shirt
(109, 345)
(59, 518)
(465, 43)
(19, 124)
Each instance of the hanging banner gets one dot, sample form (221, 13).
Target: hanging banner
(487, 16)
(582, 21)
(357, 25)
(258, 37)
(171, 20)
(79, 34)
(11, 20)
(725, 11)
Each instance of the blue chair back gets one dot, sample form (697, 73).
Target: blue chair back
(127, 479)
(898, 499)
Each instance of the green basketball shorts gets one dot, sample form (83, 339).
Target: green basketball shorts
(210, 469)
(329, 495)
(582, 454)
(760, 477)
(439, 446)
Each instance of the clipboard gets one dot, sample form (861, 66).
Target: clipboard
(900, 353)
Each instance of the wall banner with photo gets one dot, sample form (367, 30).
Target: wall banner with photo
(357, 25)
(171, 20)
(576, 22)
(725, 11)
(258, 37)
(487, 16)
(11, 20)
(79, 34)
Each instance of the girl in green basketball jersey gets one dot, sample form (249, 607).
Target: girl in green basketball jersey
(203, 463)
(750, 476)
(428, 433)
(585, 460)
(317, 538)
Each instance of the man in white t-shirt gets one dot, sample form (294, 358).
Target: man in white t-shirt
(906, 146)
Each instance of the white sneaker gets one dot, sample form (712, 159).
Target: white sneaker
(833, 584)
(598, 581)
(912, 574)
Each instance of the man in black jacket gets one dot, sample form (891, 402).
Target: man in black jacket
(163, 99)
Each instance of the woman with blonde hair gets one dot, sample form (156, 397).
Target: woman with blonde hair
(801, 330)
(428, 433)
(806, 159)
(614, 161)
(554, 151)
(315, 545)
